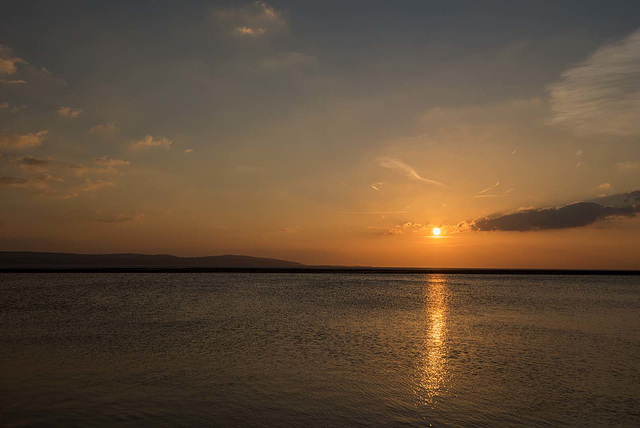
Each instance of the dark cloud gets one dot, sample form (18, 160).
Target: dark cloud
(577, 214)
(13, 181)
(30, 160)
(31, 163)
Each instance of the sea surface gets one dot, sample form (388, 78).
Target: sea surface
(314, 350)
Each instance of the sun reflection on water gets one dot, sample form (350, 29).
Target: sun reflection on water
(434, 371)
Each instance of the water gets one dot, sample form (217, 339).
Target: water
(318, 350)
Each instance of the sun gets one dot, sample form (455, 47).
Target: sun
(436, 231)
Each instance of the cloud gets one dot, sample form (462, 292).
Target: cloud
(105, 166)
(501, 195)
(69, 111)
(604, 186)
(290, 229)
(25, 141)
(577, 214)
(150, 142)
(376, 187)
(16, 72)
(42, 183)
(31, 163)
(187, 151)
(51, 186)
(602, 94)
(91, 185)
(80, 169)
(101, 217)
(409, 227)
(248, 31)
(109, 128)
(13, 109)
(13, 181)
(628, 165)
(12, 82)
(489, 188)
(111, 162)
(251, 21)
(407, 169)
(8, 63)
(484, 194)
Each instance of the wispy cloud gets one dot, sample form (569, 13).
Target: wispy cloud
(376, 187)
(42, 183)
(150, 142)
(489, 188)
(22, 141)
(109, 128)
(500, 195)
(577, 214)
(601, 95)
(253, 20)
(187, 151)
(69, 111)
(409, 171)
(110, 162)
(249, 31)
(628, 166)
(14, 82)
(290, 229)
(101, 217)
(103, 164)
(485, 193)
(91, 185)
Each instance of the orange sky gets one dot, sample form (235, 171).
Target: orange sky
(323, 135)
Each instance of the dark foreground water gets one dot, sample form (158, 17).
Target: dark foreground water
(318, 350)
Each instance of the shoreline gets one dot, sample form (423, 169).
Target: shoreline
(321, 270)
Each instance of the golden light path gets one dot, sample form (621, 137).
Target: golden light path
(434, 370)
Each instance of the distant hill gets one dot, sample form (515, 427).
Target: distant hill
(27, 259)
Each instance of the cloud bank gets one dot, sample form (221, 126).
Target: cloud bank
(577, 214)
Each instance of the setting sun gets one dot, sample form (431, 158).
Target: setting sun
(436, 231)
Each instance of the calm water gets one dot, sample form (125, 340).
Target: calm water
(318, 350)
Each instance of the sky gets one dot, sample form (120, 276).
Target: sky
(324, 132)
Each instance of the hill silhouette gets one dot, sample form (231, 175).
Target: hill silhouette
(28, 259)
